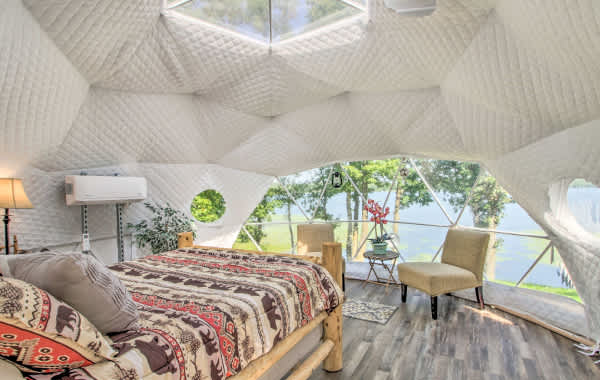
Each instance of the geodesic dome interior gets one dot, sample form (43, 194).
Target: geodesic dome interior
(132, 87)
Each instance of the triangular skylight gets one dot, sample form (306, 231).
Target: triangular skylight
(269, 20)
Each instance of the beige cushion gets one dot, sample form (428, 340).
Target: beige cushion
(320, 254)
(312, 236)
(436, 278)
(466, 249)
(81, 281)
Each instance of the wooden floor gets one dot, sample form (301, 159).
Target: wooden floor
(464, 343)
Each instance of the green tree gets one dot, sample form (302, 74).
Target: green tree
(377, 175)
(410, 190)
(208, 206)
(250, 14)
(321, 8)
(297, 187)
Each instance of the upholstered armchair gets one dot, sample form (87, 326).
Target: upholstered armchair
(463, 259)
(311, 238)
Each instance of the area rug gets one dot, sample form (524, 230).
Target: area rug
(368, 311)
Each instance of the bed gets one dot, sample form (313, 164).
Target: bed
(212, 313)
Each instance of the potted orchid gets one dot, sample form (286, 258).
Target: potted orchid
(378, 215)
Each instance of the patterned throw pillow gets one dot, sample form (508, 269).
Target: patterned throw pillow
(39, 333)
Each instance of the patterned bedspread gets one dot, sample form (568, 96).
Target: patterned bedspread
(207, 313)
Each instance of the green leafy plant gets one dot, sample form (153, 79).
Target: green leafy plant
(162, 229)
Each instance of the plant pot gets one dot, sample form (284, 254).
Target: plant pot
(380, 248)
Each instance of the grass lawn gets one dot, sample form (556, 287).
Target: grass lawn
(571, 293)
(278, 236)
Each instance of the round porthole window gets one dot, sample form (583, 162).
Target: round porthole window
(584, 203)
(208, 206)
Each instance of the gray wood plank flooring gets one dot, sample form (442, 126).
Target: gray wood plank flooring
(464, 343)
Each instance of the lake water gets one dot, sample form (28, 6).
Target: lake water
(514, 255)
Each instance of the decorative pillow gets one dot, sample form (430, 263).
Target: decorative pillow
(81, 281)
(39, 333)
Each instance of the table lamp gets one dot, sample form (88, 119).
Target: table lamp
(12, 195)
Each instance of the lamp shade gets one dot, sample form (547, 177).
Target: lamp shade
(12, 194)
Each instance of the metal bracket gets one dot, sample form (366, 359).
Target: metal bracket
(84, 226)
(120, 245)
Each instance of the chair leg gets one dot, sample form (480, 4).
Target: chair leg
(479, 295)
(343, 282)
(434, 308)
(403, 288)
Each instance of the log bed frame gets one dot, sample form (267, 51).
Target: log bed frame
(329, 351)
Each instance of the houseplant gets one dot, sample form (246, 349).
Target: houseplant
(160, 232)
(378, 215)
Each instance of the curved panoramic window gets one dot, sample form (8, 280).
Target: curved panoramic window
(269, 20)
(584, 204)
(425, 197)
(208, 206)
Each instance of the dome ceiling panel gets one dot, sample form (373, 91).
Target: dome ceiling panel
(218, 121)
(434, 134)
(393, 110)
(273, 89)
(504, 97)
(286, 148)
(409, 53)
(98, 36)
(184, 56)
(119, 127)
(542, 26)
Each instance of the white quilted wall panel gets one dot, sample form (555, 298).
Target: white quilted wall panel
(51, 223)
(538, 176)
(40, 90)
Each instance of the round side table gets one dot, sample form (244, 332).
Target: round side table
(380, 260)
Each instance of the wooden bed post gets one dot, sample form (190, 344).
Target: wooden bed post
(332, 261)
(185, 239)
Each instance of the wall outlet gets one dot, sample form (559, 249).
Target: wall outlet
(85, 243)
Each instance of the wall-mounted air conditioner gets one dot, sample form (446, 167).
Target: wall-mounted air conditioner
(101, 190)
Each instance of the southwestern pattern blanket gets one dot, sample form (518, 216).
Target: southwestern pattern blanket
(205, 314)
